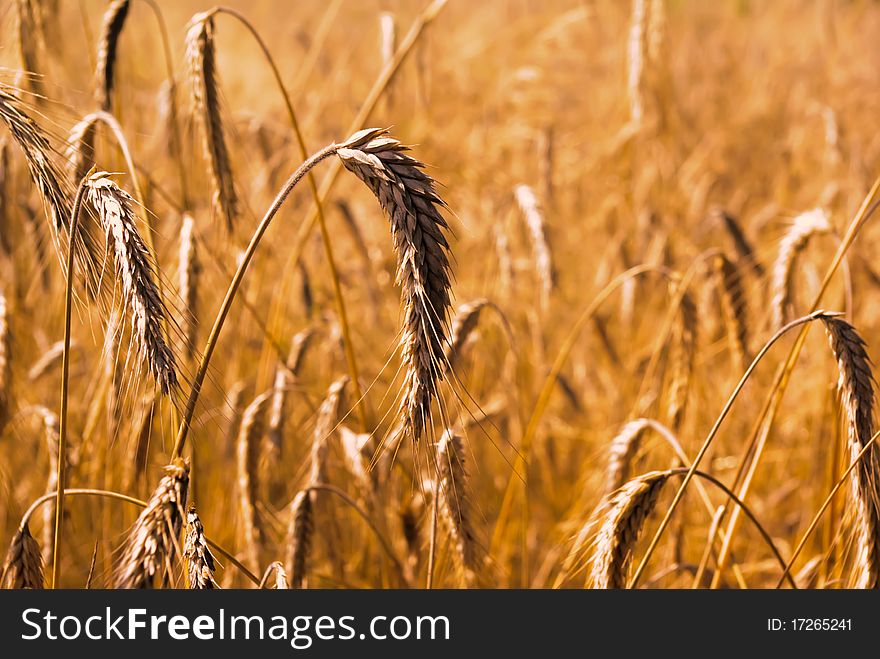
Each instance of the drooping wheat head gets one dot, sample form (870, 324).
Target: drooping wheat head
(856, 388)
(111, 29)
(200, 49)
(412, 204)
(136, 275)
(805, 226)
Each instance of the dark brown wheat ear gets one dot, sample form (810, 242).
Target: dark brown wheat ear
(411, 202)
(856, 386)
(152, 543)
(206, 104)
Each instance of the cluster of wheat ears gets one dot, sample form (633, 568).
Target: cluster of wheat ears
(194, 394)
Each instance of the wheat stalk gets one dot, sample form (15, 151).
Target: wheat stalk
(136, 274)
(199, 559)
(805, 226)
(150, 546)
(856, 386)
(52, 431)
(200, 51)
(114, 21)
(410, 200)
(627, 510)
(23, 567)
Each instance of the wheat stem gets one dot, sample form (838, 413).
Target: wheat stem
(65, 384)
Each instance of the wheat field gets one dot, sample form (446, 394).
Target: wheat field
(438, 294)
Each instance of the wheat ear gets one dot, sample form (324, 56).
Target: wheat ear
(285, 378)
(537, 227)
(735, 311)
(200, 51)
(48, 179)
(136, 274)
(23, 567)
(856, 386)
(456, 504)
(153, 540)
(300, 538)
(805, 226)
(412, 204)
(248, 458)
(464, 322)
(627, 510)
(114, 21)
(684, 338)
(199, 559)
